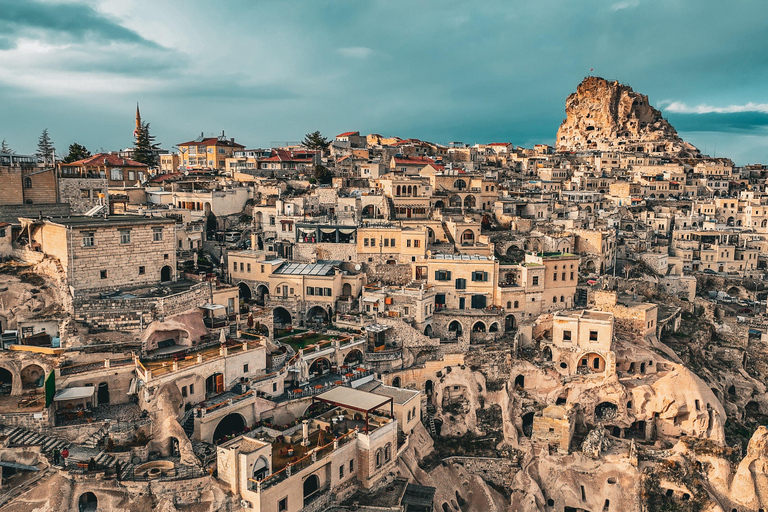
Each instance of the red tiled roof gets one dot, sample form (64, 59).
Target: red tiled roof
(105, 159)
(164, 177)
(212, 141)
(414, 161)
(347, 134)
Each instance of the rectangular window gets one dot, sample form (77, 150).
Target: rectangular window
(535, 280)
(341, 471)
(242, 267)
(554, 277)
(191, 389)
(392, 242)
(85, 193)
(271, 221)
(373, 242)
(310, 290)
(406, 310)
(116, 174)
(386, 242)
(282, 505)
(417, 243)
(131, 175)
(592, 335)
(262, 269)
(103, 274)
(318, 291)
(351, 465)
(442, 275)
(245, 368)
(327, 291)
(125, 236)
(234, 267)
(249, 267)
(408, 243)
(365, 242)
(461, 284)
(479, 275)
(566, 335)
(184, 391)
(142, 271)
(563, 276)
(88, 239)
(157, 234)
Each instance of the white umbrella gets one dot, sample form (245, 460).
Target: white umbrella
(222, 337)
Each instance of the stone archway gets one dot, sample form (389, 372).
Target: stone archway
(494, 327)
(320, 366)
(428, 330)
(245, 292)
(6, 381)
(478, 327)
(317, 314)
(510, 323)
(455, 326)
(230, 424)
(166, 273)
(354, 357)
(262, 294)
(311, 487)
(32, 376)
(260, 469)
(281, 317)
(591, 363)
(87, 502)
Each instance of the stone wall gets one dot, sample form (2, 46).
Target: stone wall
(391, 275)
(36, 421)
(133, 314)
(324, 251)
(71, 190)
(500, 472)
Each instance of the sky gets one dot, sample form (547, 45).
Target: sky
(269, 71)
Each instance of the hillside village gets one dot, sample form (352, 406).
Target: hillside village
(373, 323)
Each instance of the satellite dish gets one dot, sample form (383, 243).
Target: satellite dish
(358, 267)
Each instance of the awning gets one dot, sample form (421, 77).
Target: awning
(75, 393)
(370, 299)
(212, 307)
(346, 231)
(328, 231)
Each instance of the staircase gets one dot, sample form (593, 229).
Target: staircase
(95, 438)
(23, 437)
(429, 420)
(188, 423)
(448, 234)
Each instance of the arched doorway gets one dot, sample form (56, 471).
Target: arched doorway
(439, 205)
(103, 393)
(527, 424)
(354, 357)
(428, 330)
(455, 201)
(547, 353)
(317, 315)
(319, 366)
(606, 411)
(455, 326)
(260, 469)
(281, 317)
(429, 388)
(469, 201)
(478, 327)
(6, 382)
(346, 290)
(311, 486)
(510, 323)
(494, 327)
(396, 382)
(468, 237)
(520, 381)
(87, 502)
(32, 377)
(591, 266)
(245, 292)
(591, 363)
(229, 425)
(166, 273)
(262, 293)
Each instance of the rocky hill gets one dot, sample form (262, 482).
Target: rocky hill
(606, 116)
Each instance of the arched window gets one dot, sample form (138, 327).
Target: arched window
(27, 182)
(517, 304)
(387, 452)
(562, 299)
(378, 458)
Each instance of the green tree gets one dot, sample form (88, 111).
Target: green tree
(323, 175)
(315, 140)
(76, 152)
(144, 147)
(5, 148)
(45, 150)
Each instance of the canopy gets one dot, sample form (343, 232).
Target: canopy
(75, 393)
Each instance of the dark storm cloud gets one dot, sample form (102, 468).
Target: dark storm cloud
(64, 21)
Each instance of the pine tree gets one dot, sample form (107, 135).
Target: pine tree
(76, 152)
(143, 149)
(45, 151)
(315, 140)
(5, 148)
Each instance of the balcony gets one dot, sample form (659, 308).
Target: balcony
(215, 323)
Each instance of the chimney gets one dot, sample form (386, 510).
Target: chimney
(305, 433)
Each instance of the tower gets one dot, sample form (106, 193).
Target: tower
(138, 122)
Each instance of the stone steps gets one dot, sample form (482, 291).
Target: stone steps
(24, 437)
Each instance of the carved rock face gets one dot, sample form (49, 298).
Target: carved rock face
(608, 115)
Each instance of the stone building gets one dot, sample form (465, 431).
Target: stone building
(582, 343)
(100, 253)
(26, 182)
(119, 172)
